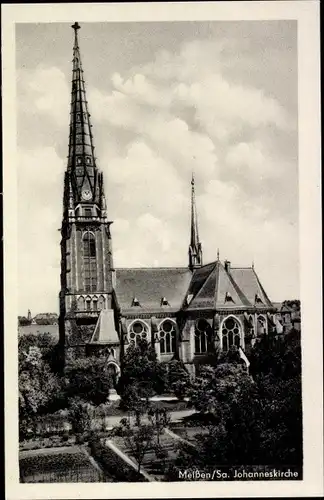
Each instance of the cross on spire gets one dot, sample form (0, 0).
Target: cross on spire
(76, 26)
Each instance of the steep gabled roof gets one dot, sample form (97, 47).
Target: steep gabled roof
(149, 286)
(248, 281)
(216, 287)
(105, 331)
(212, 287)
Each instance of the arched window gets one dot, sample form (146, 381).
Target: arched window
(231, 333)
(114, 371)
(101, 302)
(95, 303)
(202, 337)
(81, 303)
(137, 331)
(167, 336)
(88, 303)
(251, 325)
(261, 325)
(89, 262)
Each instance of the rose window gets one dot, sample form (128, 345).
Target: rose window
(137, 331)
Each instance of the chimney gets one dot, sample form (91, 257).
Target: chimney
(227, 266)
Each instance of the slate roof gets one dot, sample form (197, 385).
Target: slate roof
(149, 286)
(248, 281)
(208, 287)
(215, 287)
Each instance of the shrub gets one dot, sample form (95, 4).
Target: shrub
(161, 454)
(172, 473)
(65, 436)
(80, 439)
(79, 416)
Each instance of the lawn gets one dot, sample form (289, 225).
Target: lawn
(66, 465)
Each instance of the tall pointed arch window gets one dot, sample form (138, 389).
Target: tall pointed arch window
(89, 262)
(231, 333)
(167, 336)
(203, 337)
(251, 328)
(81, 303)
(261, 325)
(101, 302)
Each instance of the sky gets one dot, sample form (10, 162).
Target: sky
(166, 99)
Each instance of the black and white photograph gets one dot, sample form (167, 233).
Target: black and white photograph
(161, 328)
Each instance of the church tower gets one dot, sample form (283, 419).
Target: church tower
(86, 247)
(195, 248)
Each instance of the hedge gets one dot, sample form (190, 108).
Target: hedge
(113, 464)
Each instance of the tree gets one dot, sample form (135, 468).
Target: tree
(23, 321)
(79, 416)
(38, 386)
(138, 438)
(45, 342)
(279, 356)
(89, 379)
(159, 419)
(179, 379)
(217, 386)
(255, 421)
(142, 375)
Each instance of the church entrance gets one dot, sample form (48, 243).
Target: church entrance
(114, 372)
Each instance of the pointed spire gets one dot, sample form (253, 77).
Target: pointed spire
(195, 249)
(218, 254)
(81, 159)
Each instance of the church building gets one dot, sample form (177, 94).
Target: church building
(187, 312)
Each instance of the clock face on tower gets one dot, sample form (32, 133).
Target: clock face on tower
(86, 194)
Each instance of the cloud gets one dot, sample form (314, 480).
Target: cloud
(40, 186)
(170, 136)
(44, 91)
(143, 181)
(247, 232)
(250, 160)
